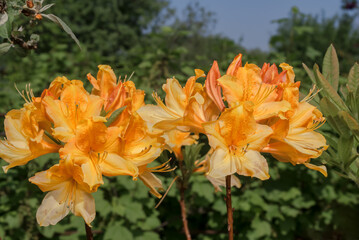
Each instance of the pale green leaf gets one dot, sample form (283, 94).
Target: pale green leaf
(3, 18)
(350, 121)
(345, 146)
(353, 78)
(331, 67)
(44, 8)
(329, 91)
(4, 48)
(63, 25)
(327, 107)
(342, 125)
(310, 74)
(3, 31)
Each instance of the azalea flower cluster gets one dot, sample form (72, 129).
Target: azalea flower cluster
(110, 132)
(98, 134)
(261, 113)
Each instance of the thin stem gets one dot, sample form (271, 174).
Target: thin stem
(184, 215)
(183, 203)
(229, 207)
(89, 235)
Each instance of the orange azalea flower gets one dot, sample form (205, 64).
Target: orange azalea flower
(242, 84)
(116, 94)
(175, 139)
(203, 167)
(185, 109)
(91, 142)
(25, 136)
(236, 139)
(295, 141)
(107, 88)
(67, 192)
(74, 105)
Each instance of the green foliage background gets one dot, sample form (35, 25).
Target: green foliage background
(148, 38)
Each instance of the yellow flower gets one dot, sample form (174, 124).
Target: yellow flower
(66, 193)
(91, 139)
(25, 137)
(236, 139)
(295, 140)
(74, 105)
(242, 84)
(185, 109)
(203, 167)
(175, 139)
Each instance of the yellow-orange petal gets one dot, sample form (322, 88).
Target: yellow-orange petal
(235, 64)
(152, 182)
(221, 182)
(212, 88)
(271, 109)
(115, 165)
(322, 169)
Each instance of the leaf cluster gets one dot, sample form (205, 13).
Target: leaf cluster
(339, 102)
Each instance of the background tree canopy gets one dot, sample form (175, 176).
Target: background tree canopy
(150, 39)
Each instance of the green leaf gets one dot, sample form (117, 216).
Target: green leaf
(351, 101)
(353, 78)
(114, 116)
(149, 236)
(328, 108)
(329, 90)
(345, 146)
(3, 18)
(134, 212)
(58, 142)
(4, 48)
(260, 229)
(289, 211)
(310, 74)
(331, 67)
(117, 231)
(191, 155)
(3, 31)
(341, 125)
(63, 25)
(44, 8)
(350, 121)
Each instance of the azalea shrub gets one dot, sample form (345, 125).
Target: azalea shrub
(294, 203)
(111, 132)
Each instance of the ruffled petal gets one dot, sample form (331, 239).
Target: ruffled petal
(221, 182)
(115, 165)
(54, 207)
(84, 205)
(253, 164)
(221, 164)
(152, 182)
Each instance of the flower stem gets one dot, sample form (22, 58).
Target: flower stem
(183, 203)
(229, 207)
(89, 235)
(184, 214)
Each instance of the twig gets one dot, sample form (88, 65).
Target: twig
(183, 212)
(229, 207)
(89, 235)
(182, 201)
(21, 43)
